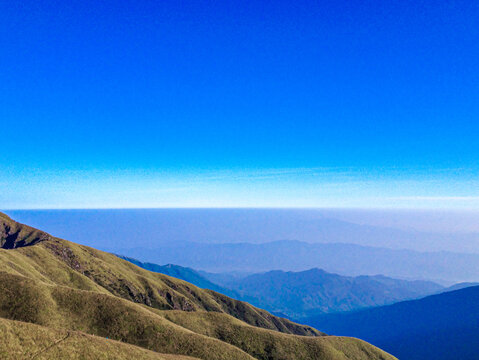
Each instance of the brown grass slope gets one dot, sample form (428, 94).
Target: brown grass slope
(22, 340)
(13, 234)
(59, 284)
(54, 306)
(268, 344)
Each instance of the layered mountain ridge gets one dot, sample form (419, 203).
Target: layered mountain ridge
(69, 289)
(305, 293)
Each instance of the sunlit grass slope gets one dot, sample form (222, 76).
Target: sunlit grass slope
(22, 340)
(61, 285)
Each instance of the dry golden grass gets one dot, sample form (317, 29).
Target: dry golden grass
(22, 340)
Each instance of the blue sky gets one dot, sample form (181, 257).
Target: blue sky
(271, 103)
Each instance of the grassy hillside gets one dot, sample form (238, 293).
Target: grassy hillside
(61, 285)
(13, 234)
(268, 344)
(22, 340)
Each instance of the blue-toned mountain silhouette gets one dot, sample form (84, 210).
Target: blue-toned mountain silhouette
(439, 327)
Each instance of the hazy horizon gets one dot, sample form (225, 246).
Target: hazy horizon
(417, 230)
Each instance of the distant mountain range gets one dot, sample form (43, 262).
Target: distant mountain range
(260, 240)
(183, 273)
(107, 228)
(315, 291)
(344, 259)
(305, 293)
(459, 286)
(61, 300)
(440, 327)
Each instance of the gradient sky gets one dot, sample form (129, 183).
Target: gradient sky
(235, 103)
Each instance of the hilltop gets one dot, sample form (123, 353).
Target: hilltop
(69, 289)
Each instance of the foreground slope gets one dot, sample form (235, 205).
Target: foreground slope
(441, 327)
(22, 340)
(61, 285)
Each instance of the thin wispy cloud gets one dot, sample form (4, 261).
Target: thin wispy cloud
(436, 198)
(266, 187)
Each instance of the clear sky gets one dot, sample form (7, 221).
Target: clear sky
(239, 103)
